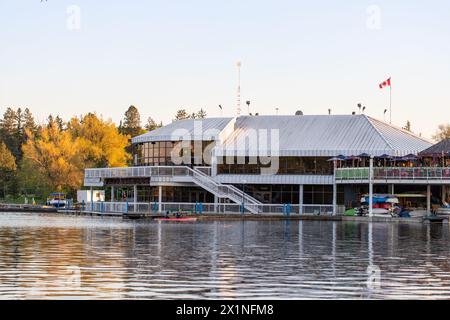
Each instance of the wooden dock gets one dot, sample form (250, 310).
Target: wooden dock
(26, 208)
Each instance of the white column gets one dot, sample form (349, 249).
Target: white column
(444, 194)
(135, 197)
(216, 201)
(92, 199)
(428, 199)
(160, 199)
(371, 187)
(392, 189)
(112, 193)
(300, 198)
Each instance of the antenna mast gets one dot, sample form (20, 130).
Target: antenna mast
(238, 98)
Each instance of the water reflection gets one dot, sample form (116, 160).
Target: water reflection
(48, 256)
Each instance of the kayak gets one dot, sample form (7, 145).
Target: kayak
(177, 219)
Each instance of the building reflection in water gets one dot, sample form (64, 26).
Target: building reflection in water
(42, 257)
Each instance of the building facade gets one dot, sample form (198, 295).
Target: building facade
(261, 160)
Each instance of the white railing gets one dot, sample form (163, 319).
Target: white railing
(395, 173)
(198, 176)
(211, 208)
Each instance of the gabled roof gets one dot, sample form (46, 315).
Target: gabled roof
(442, 147)
(191, 129)
(322, 135)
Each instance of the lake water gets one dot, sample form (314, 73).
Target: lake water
(55, 257)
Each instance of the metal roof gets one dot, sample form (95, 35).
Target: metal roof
(319, 135)
(190, 129)
(442, 147)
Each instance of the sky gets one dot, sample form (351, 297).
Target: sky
(73, 57)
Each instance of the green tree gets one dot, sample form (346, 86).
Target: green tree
(201, 114)
(443, 132)
(131, 123)
(9, 131)
(152, 125)
(181, 115)
(407, 127)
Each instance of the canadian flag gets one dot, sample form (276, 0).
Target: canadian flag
(386, 83)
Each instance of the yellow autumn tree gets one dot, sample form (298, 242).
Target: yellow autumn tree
(7, 167)
(54, 153)
(99, 142)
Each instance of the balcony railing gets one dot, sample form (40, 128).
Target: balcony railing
(394, 173)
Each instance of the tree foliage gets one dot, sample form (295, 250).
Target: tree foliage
(443, 132)
(131, 124)
(182, 114)
(99, 142)
(7, 167)
(152, 125)
(53, 153)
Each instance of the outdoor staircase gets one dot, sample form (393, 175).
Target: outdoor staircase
(226, 191)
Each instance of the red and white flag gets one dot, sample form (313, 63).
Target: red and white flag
(386, 83)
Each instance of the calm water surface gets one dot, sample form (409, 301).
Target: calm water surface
(55, 257)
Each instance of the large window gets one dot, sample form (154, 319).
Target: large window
(286, 165)
(159, 153)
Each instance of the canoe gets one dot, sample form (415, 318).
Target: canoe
(186, 219)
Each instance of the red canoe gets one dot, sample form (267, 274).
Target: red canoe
(177, 219)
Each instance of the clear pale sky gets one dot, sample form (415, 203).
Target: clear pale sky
(164, 55)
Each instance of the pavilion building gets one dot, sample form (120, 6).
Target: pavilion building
(263, 163)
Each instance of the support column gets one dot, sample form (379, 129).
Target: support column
(300, 198)
(444, 194)
(135, 197)
(216, 201)
(113, 191)
(392, 189)
(371, 187)
(160, 199)
(334, 189)
(334, 198)
(92, 199)
(428, 199)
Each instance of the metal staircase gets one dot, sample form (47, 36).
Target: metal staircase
(226, 191)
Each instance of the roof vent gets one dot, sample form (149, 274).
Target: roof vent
(299, 113)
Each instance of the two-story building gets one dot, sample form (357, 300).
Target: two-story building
(263, 163)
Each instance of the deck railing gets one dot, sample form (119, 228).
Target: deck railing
(210, 208)
(394, 173)
(200, 176)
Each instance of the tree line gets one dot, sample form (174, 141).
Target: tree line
(36, 159)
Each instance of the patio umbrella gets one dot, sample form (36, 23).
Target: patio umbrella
(364, 155)
(337, 158)
(384, 156)
(409, 157)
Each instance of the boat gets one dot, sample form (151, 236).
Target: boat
(56, 199)
(181, 219)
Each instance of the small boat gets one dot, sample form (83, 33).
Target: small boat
(57, 200)
(181, 219)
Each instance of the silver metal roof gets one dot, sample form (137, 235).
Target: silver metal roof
(190, 129)
(319, 135)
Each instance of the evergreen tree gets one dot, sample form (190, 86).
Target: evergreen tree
(201, 114)
(10, 132)
(181, 115)
(151, 124)
(131, 123)
(407, 127)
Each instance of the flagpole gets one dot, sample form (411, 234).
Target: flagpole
(390, 101)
